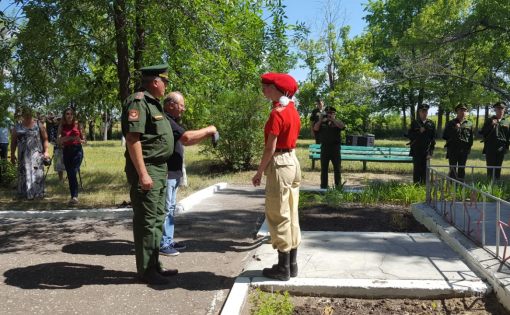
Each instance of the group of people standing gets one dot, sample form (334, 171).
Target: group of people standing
(31, 136)
(154, 155)
(459, 136)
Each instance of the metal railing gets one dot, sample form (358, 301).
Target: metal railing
(476, 213)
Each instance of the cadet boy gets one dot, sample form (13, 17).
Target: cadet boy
(458, 134)
(423, 140)
(149, 144)
(496, 138)
(329, 129)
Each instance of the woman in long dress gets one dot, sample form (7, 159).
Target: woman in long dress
(30, 138)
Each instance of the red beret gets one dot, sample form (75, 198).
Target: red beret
(282, 81)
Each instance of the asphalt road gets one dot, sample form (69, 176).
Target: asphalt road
(87, 266)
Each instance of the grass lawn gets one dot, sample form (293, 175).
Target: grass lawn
(104, 182)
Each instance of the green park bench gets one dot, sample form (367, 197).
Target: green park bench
(365, 154)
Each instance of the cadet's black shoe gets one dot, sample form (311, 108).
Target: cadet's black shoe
(152, 276)
(167, 272)
(281, 271)
(293, 263)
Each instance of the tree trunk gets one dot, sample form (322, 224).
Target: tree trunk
(486, 112)
(119, 15)
(404, 119)
(440, 112)
(477, 123)
(92, 130)
(139, 39)
(446, 117)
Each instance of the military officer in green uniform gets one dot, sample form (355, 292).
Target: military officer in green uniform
(458, 134)
(149, 144)
(496, 138)
(329, 129)
(423, 140)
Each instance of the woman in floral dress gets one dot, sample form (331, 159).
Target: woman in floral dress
(30, 138)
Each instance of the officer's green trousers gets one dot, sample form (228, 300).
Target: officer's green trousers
(148, 217)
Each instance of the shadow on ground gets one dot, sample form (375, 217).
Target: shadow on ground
(65, 275)
(103, 247)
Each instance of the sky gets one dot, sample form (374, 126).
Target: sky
(350, 12)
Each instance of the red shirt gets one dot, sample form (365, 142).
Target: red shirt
(285, 125)
(72, 131)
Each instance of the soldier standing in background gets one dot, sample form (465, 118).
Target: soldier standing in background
(496, 138)
(422, 135)
(458, 134)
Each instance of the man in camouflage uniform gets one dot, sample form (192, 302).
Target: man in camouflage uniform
(423, 140)
(149, 144)
(496, 138)
(458, 134)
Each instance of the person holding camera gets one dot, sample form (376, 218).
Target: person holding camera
(422, 135)
(71, 137)
(52, 127)
(29, 137)
(329, 129)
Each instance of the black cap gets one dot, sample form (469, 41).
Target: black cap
(423, 106)
(461, 106)
(330, 109)
(156, 70)
(499, 104)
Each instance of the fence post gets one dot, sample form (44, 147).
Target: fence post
(427, 182)
(498, 218)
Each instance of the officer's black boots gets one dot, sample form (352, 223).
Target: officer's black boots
(167, 272)
(281, 271)
(293, 263)
(153, 277)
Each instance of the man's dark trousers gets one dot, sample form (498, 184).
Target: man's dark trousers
(494, 159)
(458, 161)
(330, 152)
(148, 217)
(419, 168)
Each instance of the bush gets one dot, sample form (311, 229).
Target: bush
(240, 120)
(8, 173)
(264, 303)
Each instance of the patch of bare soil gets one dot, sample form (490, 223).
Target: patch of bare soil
(344, 306)
(353, 217)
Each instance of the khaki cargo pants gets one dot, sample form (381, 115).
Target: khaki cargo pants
(282, 197)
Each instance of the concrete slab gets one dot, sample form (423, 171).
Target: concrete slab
(372, 265)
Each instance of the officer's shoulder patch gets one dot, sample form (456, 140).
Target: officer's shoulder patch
(133, 115)
(138, 95)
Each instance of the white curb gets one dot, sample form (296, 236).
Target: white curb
(187, 203)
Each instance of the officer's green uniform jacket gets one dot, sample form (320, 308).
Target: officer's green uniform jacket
(496, 138)
(458, 140)
(143, 114)
(422, 143)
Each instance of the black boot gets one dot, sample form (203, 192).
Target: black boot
(293, 263)
(281, 271)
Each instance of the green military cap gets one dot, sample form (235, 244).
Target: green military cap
(156, 70)
(330, 109)
(461, 106)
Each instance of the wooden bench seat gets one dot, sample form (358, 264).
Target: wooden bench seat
(365, 154)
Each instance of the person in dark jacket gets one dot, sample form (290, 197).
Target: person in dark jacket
(422, 135)
(329, 129)
(458, 134)
(496, 138)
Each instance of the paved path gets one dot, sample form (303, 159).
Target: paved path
(86, 265)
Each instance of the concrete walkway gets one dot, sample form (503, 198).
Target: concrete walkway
(364, 264)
